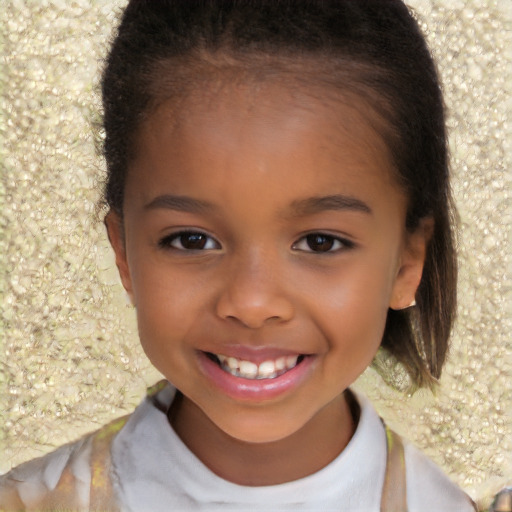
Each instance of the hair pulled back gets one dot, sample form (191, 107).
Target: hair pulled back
(372, 49)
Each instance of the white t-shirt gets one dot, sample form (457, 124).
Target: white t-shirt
(154, 471)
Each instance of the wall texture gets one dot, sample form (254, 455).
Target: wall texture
(70, 358)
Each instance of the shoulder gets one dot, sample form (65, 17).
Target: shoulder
(73, 477)
(428, 488)
(76, 476)
(63, 473)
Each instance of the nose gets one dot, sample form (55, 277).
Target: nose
(253, 295)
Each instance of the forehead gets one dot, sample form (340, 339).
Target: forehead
(239, 132)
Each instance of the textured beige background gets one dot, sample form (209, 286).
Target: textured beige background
(70, 359)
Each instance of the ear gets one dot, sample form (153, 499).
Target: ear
(411, 265)
(115, 231)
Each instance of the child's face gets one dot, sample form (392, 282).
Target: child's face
(263, 227)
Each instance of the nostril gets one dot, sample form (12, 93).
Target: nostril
(254, 312)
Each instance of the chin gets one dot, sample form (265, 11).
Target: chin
(256, 430)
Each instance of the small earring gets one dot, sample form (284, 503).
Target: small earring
(411, 305)
(129, 299)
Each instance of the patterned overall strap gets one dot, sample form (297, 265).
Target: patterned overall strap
(67, 495)
(394, 496)
(102, 494)
(65, 498)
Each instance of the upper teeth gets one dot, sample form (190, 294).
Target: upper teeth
(265, 370)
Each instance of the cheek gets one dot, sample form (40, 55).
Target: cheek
(355, 327)
(353, 310)
(167, 307)
(359, 290)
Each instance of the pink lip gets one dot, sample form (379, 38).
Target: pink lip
(256, 390)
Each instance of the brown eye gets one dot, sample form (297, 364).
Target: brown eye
(189, 241)
(322, 243)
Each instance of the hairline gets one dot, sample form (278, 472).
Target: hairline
(207, 72)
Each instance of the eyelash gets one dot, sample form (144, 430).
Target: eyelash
(331, 243)
(334, 244)
(168, 241)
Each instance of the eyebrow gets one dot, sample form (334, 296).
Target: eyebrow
(313, 205)
(179, 203)
(308, 206)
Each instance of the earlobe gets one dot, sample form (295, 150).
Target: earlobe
(115, 231)
(412, 262)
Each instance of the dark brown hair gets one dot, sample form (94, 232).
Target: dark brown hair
(369, 48)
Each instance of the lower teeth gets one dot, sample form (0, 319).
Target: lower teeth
(236, 373)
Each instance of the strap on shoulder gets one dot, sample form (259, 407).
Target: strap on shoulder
(102, 495)
(63, 497)
(394, 494)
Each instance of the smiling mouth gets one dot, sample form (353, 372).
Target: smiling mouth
(248, 370)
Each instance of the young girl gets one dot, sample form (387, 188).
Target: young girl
(279, 209)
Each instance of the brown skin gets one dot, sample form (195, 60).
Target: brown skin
(252, 155)
(272, 462)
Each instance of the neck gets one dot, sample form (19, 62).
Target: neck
(301, 454)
